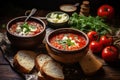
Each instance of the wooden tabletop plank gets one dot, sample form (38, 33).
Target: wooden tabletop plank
(107, 73)
(2, 59)
(7, 73)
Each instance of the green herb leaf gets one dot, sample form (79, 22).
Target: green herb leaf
(66, 42)
(89, 23)
(25, 27)
(3, 26)
(69, 42)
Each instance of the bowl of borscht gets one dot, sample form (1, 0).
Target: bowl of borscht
(67, 45)
(25, 35)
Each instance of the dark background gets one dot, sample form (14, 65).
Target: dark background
(6, 5)
(13, 8)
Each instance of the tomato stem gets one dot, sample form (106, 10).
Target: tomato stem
(105, 9)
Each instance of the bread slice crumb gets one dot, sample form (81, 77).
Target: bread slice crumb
(52, 70)
(41, 59)
(24, 61)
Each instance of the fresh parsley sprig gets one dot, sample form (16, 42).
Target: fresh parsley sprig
(89, 23)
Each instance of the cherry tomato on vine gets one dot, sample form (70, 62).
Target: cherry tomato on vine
(95, 46)
(93, 35)
(106, 41)
(110, 53)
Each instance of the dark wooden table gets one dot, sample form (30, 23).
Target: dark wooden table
(108, 72)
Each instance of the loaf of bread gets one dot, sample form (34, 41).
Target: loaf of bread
(41, 59)
(24, 61)
(52, 70)
(90, 64)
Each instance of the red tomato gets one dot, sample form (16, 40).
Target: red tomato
(110, 54)
(92, 35)
(105, 41)
(95, 46)
(106, 11)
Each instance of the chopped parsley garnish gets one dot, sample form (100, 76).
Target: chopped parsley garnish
(67, 41)
(25, 26)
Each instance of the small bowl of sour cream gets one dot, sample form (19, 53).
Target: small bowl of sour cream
(57, 19)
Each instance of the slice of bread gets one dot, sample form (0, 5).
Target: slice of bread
(24, 61)
(90, 64)
(52, 70)
(41, 59)
(40, 76)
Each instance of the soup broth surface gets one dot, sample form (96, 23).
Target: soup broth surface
(28, 28)
(68, 41)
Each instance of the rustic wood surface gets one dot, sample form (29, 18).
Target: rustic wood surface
(106, 73)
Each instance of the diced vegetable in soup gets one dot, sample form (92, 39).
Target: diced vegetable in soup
(68, 41)
(28, 28)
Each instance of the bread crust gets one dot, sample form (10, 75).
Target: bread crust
(48, 76)
(19, 66)
(37, 64)
(90, 64)
(40, 76)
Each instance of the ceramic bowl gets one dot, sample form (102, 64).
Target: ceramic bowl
(66, 56)
(57, 19)
(68, 8)
(25, 42)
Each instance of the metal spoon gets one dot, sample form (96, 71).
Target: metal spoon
(31, 13)
(76, 4)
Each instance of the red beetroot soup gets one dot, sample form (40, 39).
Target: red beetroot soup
(68, 41)
(28, 28)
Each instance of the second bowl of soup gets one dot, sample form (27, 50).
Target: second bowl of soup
(67, 45)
